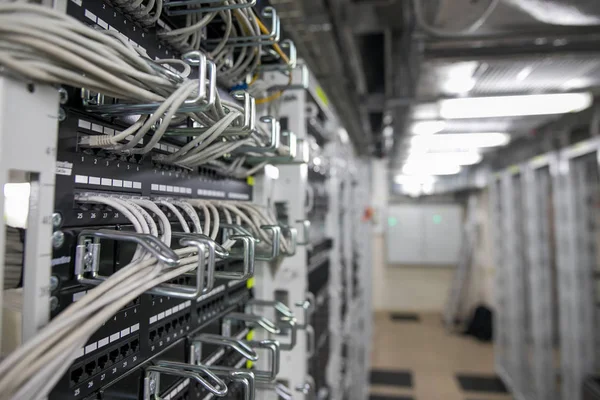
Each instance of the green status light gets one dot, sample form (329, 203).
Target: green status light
(392, 221)
(437, 219)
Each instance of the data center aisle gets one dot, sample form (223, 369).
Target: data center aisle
(415, 358)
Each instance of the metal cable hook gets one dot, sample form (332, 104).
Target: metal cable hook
(193, 372)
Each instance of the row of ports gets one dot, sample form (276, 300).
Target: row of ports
(133, 303)
(101, 362)
(211, 309)
(182, 280)
(173, 325)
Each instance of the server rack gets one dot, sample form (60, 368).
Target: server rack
(545, 250)
(161, 343)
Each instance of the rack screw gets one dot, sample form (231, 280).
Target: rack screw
(53, 303)
(58, 239)
(62, 115)
(152, 385)
(63, 95)
(56, 220)
(53, 283)
(88, 259)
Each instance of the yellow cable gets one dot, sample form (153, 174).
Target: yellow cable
(285, 59)
(274, 96)
(264, 29)
(270, 98)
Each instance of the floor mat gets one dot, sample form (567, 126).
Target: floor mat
(391, 378)
(409, 317)
(481, 383)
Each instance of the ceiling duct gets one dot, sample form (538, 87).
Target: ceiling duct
(561, 12)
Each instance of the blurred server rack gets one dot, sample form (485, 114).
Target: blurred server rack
(545, 249)
(542, 277)
(576, 180)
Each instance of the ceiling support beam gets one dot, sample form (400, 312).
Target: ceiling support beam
(453, 50)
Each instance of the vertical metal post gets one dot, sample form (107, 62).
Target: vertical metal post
(347, 207)
(565, 256)
(500, 286)
(28, 145)
(291, 275)
(536, 189)
(335, 278)
(463, 270)
(514, 279)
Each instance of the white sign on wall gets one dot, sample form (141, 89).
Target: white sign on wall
(424, 234)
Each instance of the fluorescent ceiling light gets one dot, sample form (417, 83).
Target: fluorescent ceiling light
(453, 141)
(414, 179)
(524, 73)
(458, 157)
(577, 83)
(388, 131)
(459, 85)
(458, 78)
(427, 127)
(415, 185)
(506, 106)
(430, 169)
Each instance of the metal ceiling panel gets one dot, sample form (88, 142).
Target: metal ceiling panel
(561, 12)
(558, 73)
(512, 125)
(554, 74)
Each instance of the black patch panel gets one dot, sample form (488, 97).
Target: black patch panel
(95, 371)
(163, 323)
(112, 364)
(355, 276)
(319, 276)
(317, 248)
(320, 323)
(130, 385)
(101, 14)
(82, 171)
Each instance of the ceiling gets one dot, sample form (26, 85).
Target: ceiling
(389, 61)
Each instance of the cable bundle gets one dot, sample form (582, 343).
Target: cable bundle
(146, 12)
(44, 45)
(233, 63)
(33, 369)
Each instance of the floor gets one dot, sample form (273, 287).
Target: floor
(423, 349)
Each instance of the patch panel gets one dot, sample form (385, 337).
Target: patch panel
(210, 308)
(103, 15)
(168, 330)
(90, 373)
